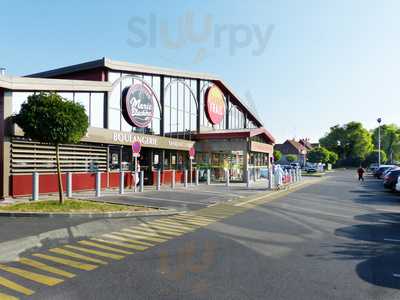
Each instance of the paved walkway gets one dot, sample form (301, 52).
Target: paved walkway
(191, 198)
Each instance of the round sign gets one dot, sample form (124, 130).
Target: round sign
(136, 146)
(138, 105)
(192, 152)
(214, 105)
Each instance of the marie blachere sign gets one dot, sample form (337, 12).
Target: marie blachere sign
(214, 105)
(138, 102)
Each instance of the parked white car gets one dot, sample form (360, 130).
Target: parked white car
(397, 187)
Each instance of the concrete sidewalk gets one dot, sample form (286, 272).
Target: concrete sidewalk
(190, 198)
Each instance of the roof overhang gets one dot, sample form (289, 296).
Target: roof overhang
(45, 84)
(229, 134)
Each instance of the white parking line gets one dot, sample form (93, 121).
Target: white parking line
(392, 240)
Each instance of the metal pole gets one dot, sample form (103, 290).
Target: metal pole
(69, 184)
(35, 186)
(98, 184)
(191, 171)
(121, 182)
(141, 181)
(247, 178)
(185, 182)
(158, 180)
(173, 179)
(208, 176)
(227, 177)
(270, 176)
(197, 176)
(379, 143)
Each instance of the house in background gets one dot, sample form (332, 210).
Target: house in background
(293, 147)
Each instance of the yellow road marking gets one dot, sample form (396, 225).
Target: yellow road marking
(164, 227)
(7, 297)
(116, 237)
(15, 286)
(184, 227)
(96, 252)
(77, 255)
(125, 245)
(43, 279)
(193, 221)
(147, 233)
(44, 267)
(100, 246)
(175, 227)
(67, 262)
(162, 231)
(141, 237)
(195, 217)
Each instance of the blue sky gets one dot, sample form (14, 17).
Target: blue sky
(325, 62)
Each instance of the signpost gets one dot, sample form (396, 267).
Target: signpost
(192, 153)
(136, 146)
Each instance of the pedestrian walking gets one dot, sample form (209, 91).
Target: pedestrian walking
(360, 172)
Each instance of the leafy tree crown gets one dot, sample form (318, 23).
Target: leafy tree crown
(48, 118)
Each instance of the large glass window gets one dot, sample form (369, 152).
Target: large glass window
(97, 110)
(18, 98)
(84, 100)
(180, 107)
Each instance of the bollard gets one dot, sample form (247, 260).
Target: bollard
(35, 186)
(270, 177)
(141, 181)
(121, 182)
(227, 177)
(158, 180)
(300, 175)
(248, 178)
(208, 176)
(173, 179)
(69, 185)
(185, 180)
(134, 181)
(98, 184)
(197, 176)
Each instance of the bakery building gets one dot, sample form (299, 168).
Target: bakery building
(167, 111)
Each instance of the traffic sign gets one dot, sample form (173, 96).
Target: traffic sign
(192, 153)
(136, 146)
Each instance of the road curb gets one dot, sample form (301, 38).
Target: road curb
(166, 212)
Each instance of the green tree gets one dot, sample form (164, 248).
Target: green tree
(351, 142)
(291, 158)
(48, 118)
(277, 155)
(333, 157)
(318, 155)
(390, 140)
(373, 157)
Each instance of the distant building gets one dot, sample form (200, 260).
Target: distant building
(298, 148)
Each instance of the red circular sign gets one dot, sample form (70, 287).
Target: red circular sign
(214, 105)
(136, 146)
(192, 152)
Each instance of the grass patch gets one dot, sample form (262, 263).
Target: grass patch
(75, 205)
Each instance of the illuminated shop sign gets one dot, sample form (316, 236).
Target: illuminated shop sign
(214, 105)
(138, 105)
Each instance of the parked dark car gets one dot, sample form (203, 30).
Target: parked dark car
(390, 180)
(378, 173)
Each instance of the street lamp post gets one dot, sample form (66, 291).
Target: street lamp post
(379, 141)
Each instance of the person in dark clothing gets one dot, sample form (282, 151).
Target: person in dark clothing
(360, 172)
